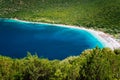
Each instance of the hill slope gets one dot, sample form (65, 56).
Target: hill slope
(99, 14)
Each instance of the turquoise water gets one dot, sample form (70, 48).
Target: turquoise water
(48, 41)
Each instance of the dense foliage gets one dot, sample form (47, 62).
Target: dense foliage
(99, 14)
(95, 64)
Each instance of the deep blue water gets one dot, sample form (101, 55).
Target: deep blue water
(48, 41)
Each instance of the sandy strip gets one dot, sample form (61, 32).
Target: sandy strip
(106, 39)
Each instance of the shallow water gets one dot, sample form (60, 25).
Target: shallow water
(48, 41)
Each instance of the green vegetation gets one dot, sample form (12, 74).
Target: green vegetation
(95, 64)
(98, 14)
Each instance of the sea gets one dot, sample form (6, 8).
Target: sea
(46, 40)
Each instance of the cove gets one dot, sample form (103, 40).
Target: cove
(48, 41)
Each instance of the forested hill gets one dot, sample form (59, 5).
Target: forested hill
(99, 14)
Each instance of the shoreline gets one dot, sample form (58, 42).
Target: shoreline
(106, 39)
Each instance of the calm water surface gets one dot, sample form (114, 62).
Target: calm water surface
(48, 41)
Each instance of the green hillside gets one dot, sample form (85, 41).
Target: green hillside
(99, 14)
